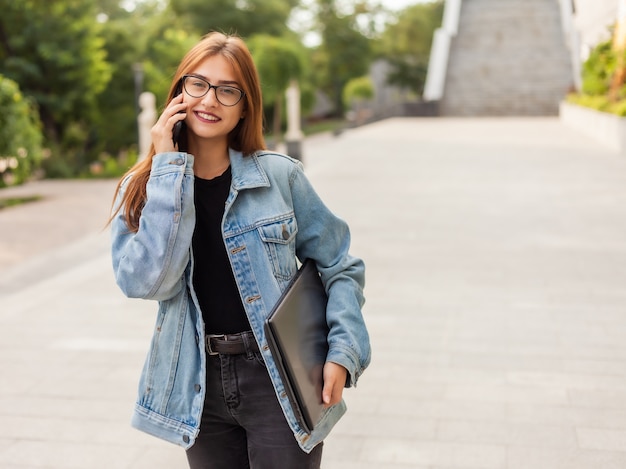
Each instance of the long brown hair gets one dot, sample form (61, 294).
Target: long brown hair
(246, 137)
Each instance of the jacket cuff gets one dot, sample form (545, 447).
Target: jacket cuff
(347, 358)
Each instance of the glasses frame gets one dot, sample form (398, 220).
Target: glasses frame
(215, 87)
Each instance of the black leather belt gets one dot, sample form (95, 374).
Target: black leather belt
(231, 344)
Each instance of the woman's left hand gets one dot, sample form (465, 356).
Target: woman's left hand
(334, 382)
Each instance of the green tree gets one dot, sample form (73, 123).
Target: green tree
(116, 123)
(345, 52)
(162, 57)
(243, 17)
(127, 35)
(20, 135)
(54, 50)
(278, 60)
(405, 44)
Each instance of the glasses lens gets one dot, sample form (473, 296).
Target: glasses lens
(227, 95)
(196, 87)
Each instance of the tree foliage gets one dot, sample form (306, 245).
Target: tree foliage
(278, 61)
(54, 50)
(77, 59)
(406, 43)
(116, 123)
(345, 52)
(127, 35)
(243, 17)
(20, 135)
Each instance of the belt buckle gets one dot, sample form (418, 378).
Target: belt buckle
(209, 350)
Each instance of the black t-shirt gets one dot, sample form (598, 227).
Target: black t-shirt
(213, 278)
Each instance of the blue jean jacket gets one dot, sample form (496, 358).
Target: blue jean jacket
(272, 216)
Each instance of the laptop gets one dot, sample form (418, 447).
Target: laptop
(297, 333)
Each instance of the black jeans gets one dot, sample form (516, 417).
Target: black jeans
(243, 426)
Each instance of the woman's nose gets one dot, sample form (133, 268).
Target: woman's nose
(210, 99)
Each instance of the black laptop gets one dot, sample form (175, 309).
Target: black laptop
(297, 335)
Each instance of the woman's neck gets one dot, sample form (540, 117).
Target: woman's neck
(210, 158)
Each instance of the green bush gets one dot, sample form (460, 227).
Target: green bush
(597, 73)
(20, 135)
(358, 90)
(598, 70)
(599, 103)
(108, 166)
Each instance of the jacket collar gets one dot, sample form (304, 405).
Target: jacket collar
(247, 171)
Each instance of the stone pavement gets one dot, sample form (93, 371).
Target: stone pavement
(496, 302)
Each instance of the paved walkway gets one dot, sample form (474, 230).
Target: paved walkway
(496, 255)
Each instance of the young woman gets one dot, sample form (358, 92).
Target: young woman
(212, 229)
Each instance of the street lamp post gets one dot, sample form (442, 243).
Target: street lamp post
(138, 79)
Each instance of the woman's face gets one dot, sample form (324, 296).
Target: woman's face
(207, 118)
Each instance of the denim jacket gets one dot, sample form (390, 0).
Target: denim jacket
(272, 216)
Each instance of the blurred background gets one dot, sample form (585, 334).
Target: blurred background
(493, 234)
(72, 71)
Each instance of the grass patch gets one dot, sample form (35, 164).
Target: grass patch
(327, 125)
(315, 127)
(14, 201)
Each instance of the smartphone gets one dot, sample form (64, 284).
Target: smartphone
(179, 133)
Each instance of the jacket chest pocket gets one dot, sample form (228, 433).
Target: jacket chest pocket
(279, 239)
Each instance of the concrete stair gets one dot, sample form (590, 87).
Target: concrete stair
(509, 58)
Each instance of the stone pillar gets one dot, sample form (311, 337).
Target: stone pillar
(145, 120)
(294, 135)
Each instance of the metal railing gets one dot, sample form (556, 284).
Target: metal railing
(440, 51)
(572, 39)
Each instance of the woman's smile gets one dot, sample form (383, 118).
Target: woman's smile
(206, 116)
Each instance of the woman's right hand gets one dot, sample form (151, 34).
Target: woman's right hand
(161, 132)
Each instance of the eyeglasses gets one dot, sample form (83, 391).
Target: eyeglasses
(197, 87)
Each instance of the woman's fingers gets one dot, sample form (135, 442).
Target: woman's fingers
(161, 132)
(334, 382)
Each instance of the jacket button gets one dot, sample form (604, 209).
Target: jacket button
(186, 438)
(178, 161)
(285, 233)
(197, 387)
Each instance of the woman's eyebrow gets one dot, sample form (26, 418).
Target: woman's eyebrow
(219, 82)
(228, 82)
